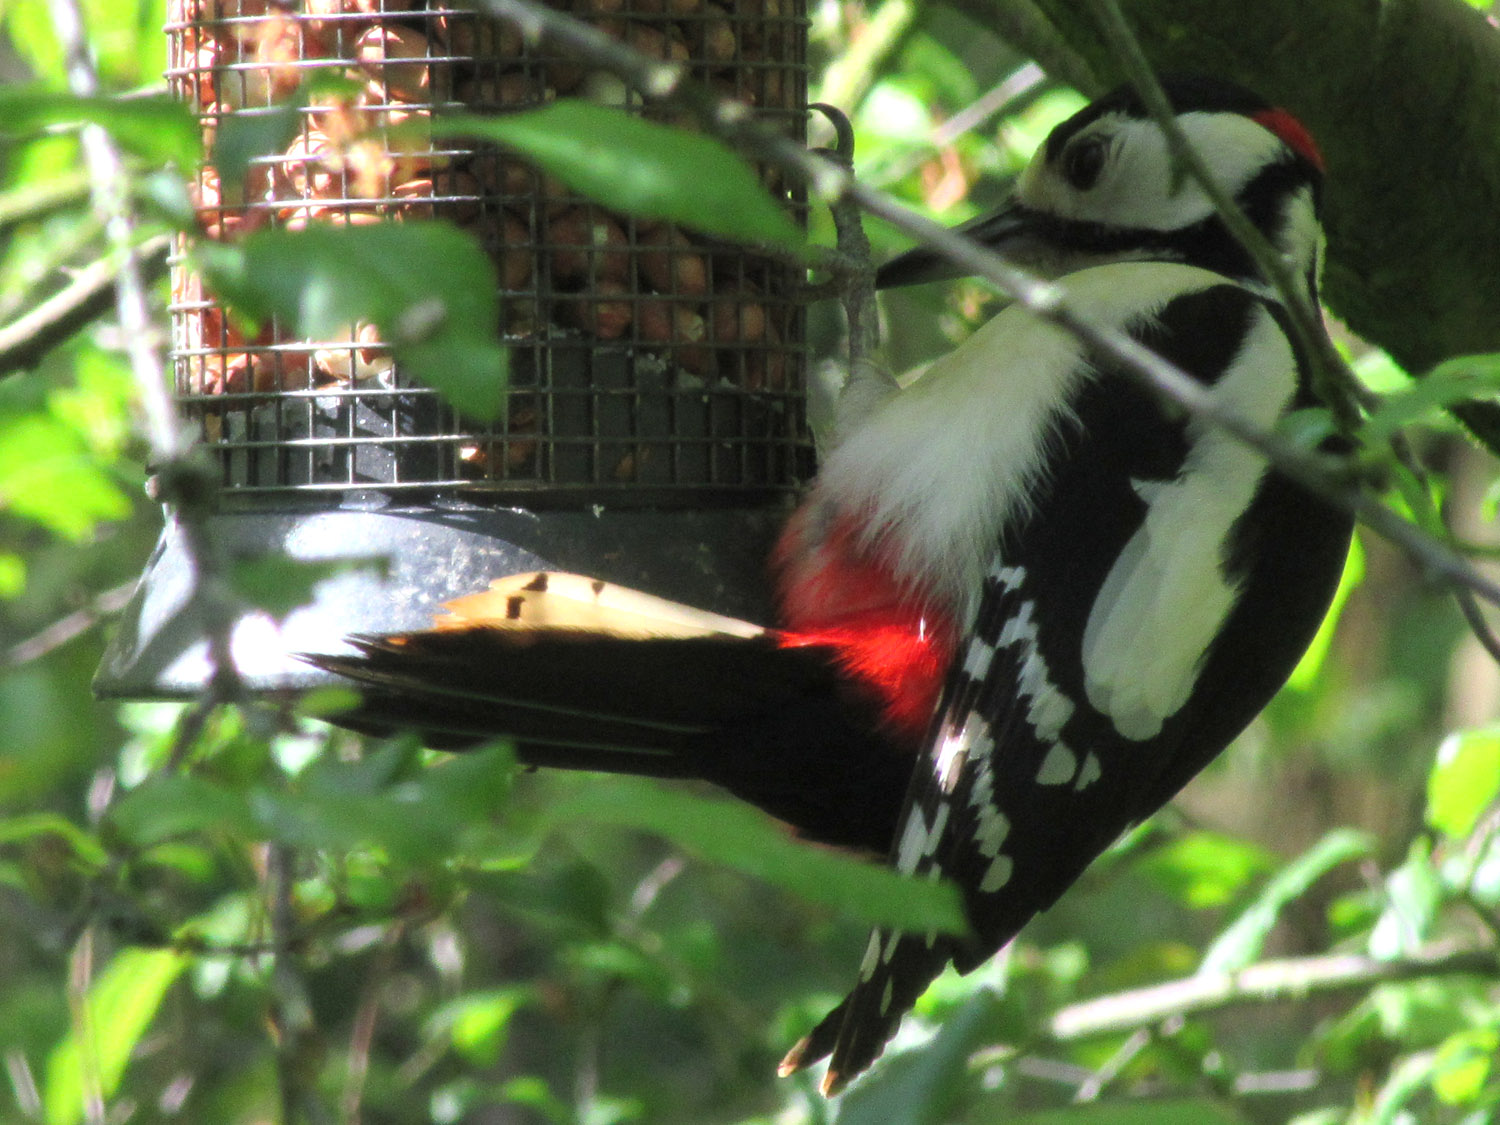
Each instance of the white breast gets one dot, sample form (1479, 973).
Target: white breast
(938, 469)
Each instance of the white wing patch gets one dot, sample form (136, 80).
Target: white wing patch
(1167, 595)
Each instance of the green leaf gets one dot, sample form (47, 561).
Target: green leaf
(1413, 894)
(168, 805)
(1464, 1064)
(477, 1022)
(1305, 676)
(640, 167)
(157, 128)
(120, 1005)
(428, 287)
(1454, 381)
(279, 585)
(741, 838)
(1464, 781)
(1206, 870)
(242, 137)
(25, 826)
(1241, 943)
(48, 476)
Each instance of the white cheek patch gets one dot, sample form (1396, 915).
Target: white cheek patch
(1139, 186)
(1167, 595)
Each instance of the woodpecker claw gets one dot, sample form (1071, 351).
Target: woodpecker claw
(843, 131)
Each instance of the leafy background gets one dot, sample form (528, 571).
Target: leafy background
(242, 916)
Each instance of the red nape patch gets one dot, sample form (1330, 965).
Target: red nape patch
(1293, 132)
(900, 659)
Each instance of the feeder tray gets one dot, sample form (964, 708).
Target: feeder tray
(655, 433)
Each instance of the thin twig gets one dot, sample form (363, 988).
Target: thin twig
(64, 629)
(80, 980)
(1338, 383)
(1269, 982)
(184, 484)
(1020, 82)
(366, 1016)
(291, 1010)
(25, 340)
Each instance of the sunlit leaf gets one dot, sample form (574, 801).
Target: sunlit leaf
(48, 476)
(429, 288)
(1413, 895)
(157, 128)
(477, 1022)
(1464, 1064)
(125, 38)
(1241, 943)
(120, 1005)
(1454, 381)
(1305, 676)
(1464, 781)
(1206, 869)
(738, 837)
(639, 167)
(12, 574)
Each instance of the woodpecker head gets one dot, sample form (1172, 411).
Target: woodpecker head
(1104, 188)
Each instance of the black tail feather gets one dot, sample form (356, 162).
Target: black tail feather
(774, 726)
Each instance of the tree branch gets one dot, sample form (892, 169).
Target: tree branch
(1269, 982)
(25, 340)
(63, 630)
(184, 484)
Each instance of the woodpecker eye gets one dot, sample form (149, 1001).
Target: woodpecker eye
(1082, 163)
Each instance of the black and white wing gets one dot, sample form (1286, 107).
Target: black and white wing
(1159, 593)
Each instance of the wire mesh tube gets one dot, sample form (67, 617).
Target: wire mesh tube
(649, 365)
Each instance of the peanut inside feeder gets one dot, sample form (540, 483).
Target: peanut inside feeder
(649, 365)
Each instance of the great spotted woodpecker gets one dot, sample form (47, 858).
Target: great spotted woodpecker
(1022, 604)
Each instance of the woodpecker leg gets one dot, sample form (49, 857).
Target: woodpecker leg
(865, 383)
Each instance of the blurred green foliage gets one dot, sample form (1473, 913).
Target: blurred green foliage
(268, 916)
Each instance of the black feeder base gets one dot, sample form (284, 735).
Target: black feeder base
(416, 558)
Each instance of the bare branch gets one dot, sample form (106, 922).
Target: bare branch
(1270, 982)
(25, 340)
(184, 485)
(63, 630)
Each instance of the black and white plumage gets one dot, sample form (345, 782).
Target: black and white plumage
(1022, 604)
(1130, 586)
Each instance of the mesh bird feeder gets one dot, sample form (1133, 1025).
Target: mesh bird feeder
(655, 428)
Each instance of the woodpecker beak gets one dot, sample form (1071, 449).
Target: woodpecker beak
(1013, 231)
